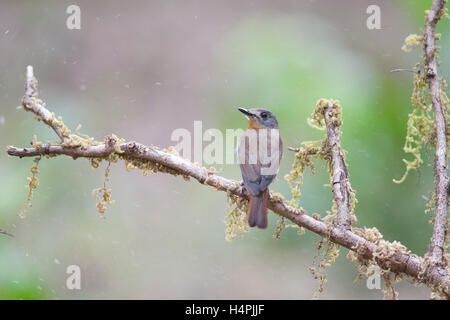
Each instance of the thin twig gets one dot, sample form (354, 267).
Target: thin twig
(7, 233)
(30, 102)
(401, 70)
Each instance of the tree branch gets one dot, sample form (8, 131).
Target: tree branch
(436, 251)
(6, 233)
(31, 103)
(397, 261)
(340, 179)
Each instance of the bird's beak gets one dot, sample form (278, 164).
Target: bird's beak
(247, 113)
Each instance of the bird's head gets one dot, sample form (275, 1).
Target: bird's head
(260, 118)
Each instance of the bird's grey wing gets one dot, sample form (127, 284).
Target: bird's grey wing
(254, 182)
(248, 162)
(252, 178)
(269, 161)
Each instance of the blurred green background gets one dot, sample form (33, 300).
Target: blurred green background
(141, 69)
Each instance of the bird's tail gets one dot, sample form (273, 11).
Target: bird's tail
(257, 210)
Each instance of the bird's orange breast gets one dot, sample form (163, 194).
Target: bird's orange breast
(254, 124)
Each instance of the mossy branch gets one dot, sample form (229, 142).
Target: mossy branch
(340, 183)
(436, 252)
(32, 103)
(112, 149)
(6, 233)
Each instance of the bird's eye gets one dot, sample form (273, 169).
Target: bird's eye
(264, 115)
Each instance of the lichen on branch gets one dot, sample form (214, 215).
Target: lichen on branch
(420, 126)
(33, 183)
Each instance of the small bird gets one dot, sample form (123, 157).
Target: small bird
(259, 153)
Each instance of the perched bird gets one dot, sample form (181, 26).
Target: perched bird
(259, 153)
